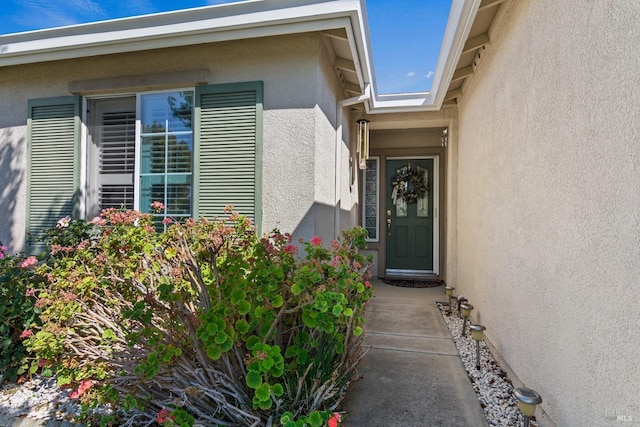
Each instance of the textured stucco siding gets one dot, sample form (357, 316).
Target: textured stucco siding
(548, 223)
(298, 134)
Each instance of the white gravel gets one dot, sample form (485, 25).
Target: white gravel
(491, 383)
(40, 399)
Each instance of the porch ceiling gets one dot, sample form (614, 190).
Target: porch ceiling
(483, 31)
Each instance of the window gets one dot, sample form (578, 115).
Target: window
(370, 197)
(165, 147)
(195, 151)
(166, 152)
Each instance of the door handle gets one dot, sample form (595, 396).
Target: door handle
(388, 226)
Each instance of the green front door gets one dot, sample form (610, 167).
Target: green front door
(409, 217)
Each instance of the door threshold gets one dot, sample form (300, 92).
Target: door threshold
(394, 273)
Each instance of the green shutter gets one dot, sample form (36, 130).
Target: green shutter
(228, 150)
(53, 163)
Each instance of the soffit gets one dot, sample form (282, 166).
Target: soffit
(483, 31)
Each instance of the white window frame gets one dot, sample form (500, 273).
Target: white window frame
(364, 199)
(84, 143)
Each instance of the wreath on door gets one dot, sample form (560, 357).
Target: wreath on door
(409, 184)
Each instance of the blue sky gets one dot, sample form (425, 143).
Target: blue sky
(406, 35)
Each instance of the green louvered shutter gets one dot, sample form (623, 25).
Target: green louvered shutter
(53, 163)
(228, 150)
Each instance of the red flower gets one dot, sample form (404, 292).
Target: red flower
(291, 249)
(334, 421)
(316, 241)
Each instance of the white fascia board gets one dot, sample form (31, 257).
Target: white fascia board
(461, 17)
(258, 18)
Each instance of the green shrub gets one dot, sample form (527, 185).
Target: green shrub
(18, 313)
(207, 319)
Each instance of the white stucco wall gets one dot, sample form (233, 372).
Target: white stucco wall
(548, 221)
(298, 133)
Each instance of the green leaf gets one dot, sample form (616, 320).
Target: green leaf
(221, 337)
(310, 318)
(237, 295)
(296, 289)
(108, 334)
(278, 390)
(252, 341)
(278, 301)
(315, 419)
(254, 379)
(348, 312)
(214, 352)
(357, 331)
(285, 418)
(244, 307)
(337, 310)
(266, 404)
(242, 326)
(263, 392)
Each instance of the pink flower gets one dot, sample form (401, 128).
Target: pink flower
(164, 416)
(334, 421)
(157, 206)
(31, 261)
(30, 292)
(63, 222)
(316, 241)
(167, 221)
(84, 386)
(3, 251)
(291, 249)
(96, 220)
(368, 284)
(26, 334)
(335, 245)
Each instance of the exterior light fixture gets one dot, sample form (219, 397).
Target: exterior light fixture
(466, 312)
(444, 138)
(362, 141)
(461, 300)
(528, 401)
(477, 332)
(449, 291)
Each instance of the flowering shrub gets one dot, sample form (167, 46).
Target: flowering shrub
(18, 313)
(206, 322)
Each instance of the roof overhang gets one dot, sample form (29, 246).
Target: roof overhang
(343, 21)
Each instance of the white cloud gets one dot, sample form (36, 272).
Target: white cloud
(429, 74)
(411, 73)
(87, 6)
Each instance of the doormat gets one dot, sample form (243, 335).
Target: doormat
(410, 283)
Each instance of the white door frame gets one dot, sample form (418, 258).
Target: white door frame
(436, 219)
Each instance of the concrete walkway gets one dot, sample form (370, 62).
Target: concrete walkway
(412, 375)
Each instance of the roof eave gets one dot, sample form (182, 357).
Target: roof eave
(170, 29)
